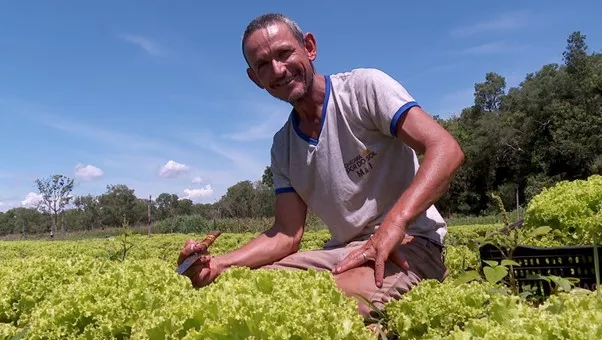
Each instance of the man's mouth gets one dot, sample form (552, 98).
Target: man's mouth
(284, 81)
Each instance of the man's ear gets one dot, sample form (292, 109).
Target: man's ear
(310, 46)
(252, 76)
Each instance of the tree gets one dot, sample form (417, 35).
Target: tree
(167, 205)
(237, 201)
(489, 93)
(118, 202)
(268, 178)
(89, 211)
(56, 194)
(575, 55)
(263, 200)
(184, 207)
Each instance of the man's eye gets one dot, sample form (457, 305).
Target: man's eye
(285, 54)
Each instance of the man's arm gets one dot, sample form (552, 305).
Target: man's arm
(282, 239)
(442, 158)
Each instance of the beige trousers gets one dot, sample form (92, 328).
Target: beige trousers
(424, 258)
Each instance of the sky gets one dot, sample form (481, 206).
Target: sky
(155, 95)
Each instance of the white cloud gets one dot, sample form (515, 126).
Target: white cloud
(117, 139)
(272, 114)
(8, 205)
(196, 194)
(148, 45)
(172, 169)
(242, 157)
(263, 130)
(197, 180)
(493, 48)
(87, 172)
(504, 22)
(4, 207)
(31, 200)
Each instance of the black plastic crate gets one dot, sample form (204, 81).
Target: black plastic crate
(567, 262)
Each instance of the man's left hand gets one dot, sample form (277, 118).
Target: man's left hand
(378, 248)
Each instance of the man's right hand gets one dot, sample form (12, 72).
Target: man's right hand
(205, 270)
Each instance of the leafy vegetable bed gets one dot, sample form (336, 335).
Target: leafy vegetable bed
(126, 287)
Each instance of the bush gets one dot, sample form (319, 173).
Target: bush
(186, 224)
(572, 207)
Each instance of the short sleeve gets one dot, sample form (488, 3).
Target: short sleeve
(281, 180)
(382, 98)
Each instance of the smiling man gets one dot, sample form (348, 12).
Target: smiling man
(348, 153)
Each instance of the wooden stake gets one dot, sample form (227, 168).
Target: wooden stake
(148, 225)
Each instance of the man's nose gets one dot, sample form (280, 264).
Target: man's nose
(278, 67)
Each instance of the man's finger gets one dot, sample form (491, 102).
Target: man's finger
(190, 247)
(355, 259)
(185, 251)
(200, 279)
(379, 271)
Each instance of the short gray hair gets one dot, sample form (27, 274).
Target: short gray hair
(268, 19)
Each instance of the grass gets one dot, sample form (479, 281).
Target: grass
(230, 225)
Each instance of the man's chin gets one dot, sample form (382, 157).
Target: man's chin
(291, 97)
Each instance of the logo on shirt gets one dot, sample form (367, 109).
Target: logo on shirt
(361, 163)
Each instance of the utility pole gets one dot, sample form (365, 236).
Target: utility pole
(22, 225)
(148, 226)
(517, 205)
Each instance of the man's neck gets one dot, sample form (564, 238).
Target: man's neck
(309, 108)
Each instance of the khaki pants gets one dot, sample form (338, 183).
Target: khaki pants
(424, 258)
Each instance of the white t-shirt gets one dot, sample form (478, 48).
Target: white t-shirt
(355, 171)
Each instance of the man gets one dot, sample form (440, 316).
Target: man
(347, 153)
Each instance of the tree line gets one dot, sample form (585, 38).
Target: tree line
(527, 138)
(59, 211)
(517, 141)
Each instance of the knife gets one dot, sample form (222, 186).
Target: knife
(190, 260)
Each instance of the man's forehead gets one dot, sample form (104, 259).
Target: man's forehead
(277, 33)
(273, 30)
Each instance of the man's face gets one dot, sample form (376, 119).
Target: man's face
(279, 63)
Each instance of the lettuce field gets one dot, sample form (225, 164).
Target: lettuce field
(126, 287)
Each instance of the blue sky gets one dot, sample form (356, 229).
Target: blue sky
(154, 95)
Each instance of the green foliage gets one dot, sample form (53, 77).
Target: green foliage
(185, 224)
(526, 138)
(119, 201)
(123, 244)
(488, 94)
(84, 297)
(500, 206)
(56, 194)
(63, 289)
(571, 207)
(268, 178)
(460, 259)
(199, 224)
(487, 311)
(563, 316)
(433, 310)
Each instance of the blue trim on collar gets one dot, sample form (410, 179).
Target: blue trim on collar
(303, 136)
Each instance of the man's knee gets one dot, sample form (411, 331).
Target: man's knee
(360, 284)
(319, 259)
(424, 261)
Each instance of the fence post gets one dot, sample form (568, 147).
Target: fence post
(148, 225)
